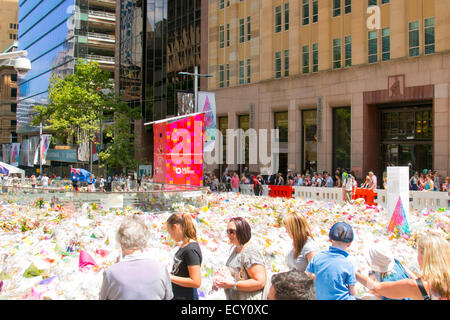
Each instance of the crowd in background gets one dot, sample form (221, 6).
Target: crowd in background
(427, 180)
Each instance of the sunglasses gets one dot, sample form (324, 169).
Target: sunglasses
(231, 231)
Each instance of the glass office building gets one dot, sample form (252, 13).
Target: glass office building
(158, 39)
(55, 34)
(46, 33)
(148, 65)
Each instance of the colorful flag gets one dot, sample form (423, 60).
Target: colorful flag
(398, 224)
(46, 138)
(15, 150)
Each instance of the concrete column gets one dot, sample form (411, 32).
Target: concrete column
(441, 136)
(357, 128)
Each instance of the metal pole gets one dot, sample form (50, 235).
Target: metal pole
(196, 88)
(40, 149)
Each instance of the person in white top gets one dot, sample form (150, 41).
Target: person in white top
(44, 181)
(373, 181)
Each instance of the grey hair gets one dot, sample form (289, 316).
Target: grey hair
(133, 233)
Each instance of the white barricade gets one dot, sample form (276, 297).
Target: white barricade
(245, 189)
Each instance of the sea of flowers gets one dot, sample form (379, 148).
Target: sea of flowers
(43, 248)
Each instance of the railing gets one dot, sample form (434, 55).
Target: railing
(101, 36)
(418, 199)
(102, 14)
(100, 58)
(161, 198)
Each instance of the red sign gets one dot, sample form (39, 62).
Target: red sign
(178, 151)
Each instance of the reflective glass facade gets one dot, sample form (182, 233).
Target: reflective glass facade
(148, 65)
(46, 33)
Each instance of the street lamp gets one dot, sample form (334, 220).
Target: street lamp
(196, 75)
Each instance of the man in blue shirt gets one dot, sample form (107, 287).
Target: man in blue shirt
(334, 274)
(329, 181)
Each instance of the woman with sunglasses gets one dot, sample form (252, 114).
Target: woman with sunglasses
(246, 264)
(185, 275)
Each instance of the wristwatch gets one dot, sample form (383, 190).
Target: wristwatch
(235, 286)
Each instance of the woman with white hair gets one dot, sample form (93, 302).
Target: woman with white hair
(137, 276)
(433, 256)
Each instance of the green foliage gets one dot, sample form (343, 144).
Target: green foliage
(79, 103)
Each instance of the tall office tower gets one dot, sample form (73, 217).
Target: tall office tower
(359, 84)
(56, 34)
(156, 40)
(8, 23)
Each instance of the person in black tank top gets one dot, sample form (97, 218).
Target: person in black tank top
(185, 275)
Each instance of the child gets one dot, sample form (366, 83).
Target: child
(334, 274)
(384, 266)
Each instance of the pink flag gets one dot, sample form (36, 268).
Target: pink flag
(398, 221)
(85, 260)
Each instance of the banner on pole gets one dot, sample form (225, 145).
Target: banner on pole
(15, 151)
(207, 104)
(46, 138)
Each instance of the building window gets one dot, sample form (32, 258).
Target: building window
(13, 107)
(305, 51)
(305, 12)
(281, 123)
(385, 44)
(221, 76)
(228, 35)
(315, 11)
(414, 38)
(221, 4)
(372, 3)
(429, 35)
(336, 8)
(309, 140)
(337, 53)
(315, 54)
(373, 46)
(286, 16)
(249, 30)
(286, 63)
(348, 6)
(249, 70)
(277, 19)
(13, 93)
(348, 51)
(341, 137)
(228, 3)
(384, 1)
(278, 64)
(241, 30)
(221, 36)
(13, 77)
(241, 72)
(228, 75)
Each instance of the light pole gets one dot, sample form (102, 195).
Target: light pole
(196, 75)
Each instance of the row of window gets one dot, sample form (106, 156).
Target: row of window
(245, 71)
(13, 36)
(14, 26)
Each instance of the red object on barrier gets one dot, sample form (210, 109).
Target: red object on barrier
(366, 194)
(281, 191)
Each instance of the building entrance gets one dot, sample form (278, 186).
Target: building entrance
(407, 137)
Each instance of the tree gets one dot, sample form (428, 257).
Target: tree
(79, 104)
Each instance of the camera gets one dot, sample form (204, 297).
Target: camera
(22, 66)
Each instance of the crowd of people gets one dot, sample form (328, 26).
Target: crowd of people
(313, 274)
(427, 180)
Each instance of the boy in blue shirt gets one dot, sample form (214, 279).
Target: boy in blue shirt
(334, 274)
